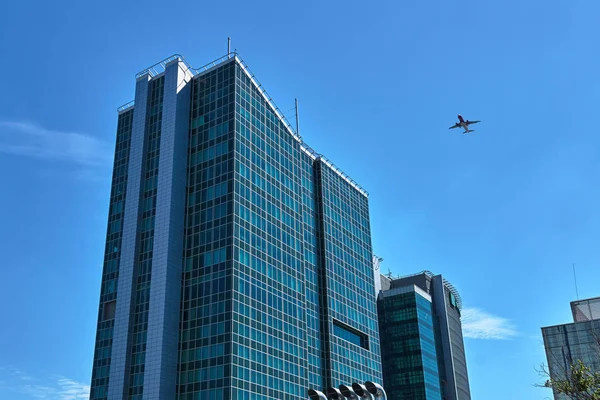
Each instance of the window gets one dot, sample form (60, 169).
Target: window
(452, 300)
(109, 310)
(345, 332)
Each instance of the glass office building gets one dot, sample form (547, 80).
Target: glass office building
(410, 366)
(421, 337)
(567, 344)
(238, 260)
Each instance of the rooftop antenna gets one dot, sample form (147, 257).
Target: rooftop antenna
(575, 278)
(228, 46)
(297, 119)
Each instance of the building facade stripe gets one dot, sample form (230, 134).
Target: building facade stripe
(119, 361)
(163, 318)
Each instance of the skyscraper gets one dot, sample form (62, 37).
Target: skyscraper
(578, 341)
(238, 261)
(421, 337)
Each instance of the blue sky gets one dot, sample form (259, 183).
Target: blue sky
(502, 213)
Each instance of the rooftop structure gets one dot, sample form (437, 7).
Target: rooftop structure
(158, 69)
(586, 310)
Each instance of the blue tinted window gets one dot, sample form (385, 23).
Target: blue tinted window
(349, 335)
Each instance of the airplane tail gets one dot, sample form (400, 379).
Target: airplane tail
(469, 131)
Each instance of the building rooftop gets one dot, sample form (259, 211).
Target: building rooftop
(430, 275)
(404, 290)
(159, 69)
(586, 310)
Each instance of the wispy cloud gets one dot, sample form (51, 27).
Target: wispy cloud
(56, 388)
(31, 140)
(479, 324)
(19, 374)
(71, 390)
(12, 372)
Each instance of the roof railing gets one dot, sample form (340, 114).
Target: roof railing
(343, 175)
(160, 67)
(315, 155)
(212, 64)
(450, 286)
(126, 106)
(268, 98)
(309, 150)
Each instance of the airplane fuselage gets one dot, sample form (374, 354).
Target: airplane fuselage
(463, 124)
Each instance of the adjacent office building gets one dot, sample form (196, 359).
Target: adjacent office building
(577, 341)
(421, 337)
(238, 261)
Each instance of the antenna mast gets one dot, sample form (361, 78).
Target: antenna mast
(228, 46)
(575, 278)
(297, 119)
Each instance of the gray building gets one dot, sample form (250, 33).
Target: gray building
(238, 260)
(577, 341)
(586, 310)
(409, 308)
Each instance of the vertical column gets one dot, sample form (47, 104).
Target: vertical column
(325, 318)
(163, 318)
(119, 370)
(439, 301)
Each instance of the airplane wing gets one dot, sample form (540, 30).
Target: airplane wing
(472, 122)
(455, 126)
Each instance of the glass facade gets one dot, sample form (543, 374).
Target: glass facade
(112, 256)
(276, 282)
(269, 327)
(410, 368)
(566, 344)
(206, 308)
(346, 254)
(146, 242)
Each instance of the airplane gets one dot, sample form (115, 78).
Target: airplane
(464, 124)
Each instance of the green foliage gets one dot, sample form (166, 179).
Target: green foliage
(580, 383)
